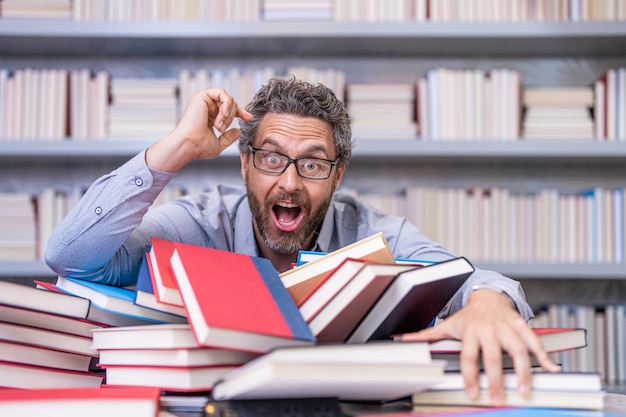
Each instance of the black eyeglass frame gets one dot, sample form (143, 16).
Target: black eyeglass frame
(290, 161)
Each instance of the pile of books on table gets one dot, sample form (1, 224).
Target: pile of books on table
(226, 326)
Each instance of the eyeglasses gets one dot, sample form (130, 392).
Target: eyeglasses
(276, 163)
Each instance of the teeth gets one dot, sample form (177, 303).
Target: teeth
(286, 223)
(287, 205)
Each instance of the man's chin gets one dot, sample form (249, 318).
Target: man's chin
(284, 245)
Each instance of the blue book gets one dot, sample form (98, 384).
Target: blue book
(115, 299)
(305, 256)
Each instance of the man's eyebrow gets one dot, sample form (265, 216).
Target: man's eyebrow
(273, 142)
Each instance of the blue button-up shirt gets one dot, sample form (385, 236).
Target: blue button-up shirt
(103, 239)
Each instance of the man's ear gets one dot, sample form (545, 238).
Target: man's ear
(339, 170)
(244, 164)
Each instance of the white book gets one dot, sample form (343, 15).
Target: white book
(370, 371)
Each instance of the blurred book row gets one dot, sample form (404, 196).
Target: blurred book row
(444, 104)
(319, 10)
(485, 224)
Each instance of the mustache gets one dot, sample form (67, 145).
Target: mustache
(293, 197)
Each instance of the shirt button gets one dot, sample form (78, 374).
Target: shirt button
(98, 210)
(138, 182)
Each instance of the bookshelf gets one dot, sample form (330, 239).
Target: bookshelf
(545, 54)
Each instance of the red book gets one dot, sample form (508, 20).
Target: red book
(163, 282)
(236, 301)
(92, 402)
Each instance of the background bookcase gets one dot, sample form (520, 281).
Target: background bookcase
(546, 54)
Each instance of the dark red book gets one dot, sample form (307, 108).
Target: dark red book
(412, 300)
(236, 301)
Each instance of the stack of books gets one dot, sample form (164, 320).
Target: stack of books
(234, 307)
(142, 107)
(382, 110)
(165, 356)
(361, 292)
(45, 339)
(17, 222)
(558, 113)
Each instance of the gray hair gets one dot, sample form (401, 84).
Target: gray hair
(301, 98)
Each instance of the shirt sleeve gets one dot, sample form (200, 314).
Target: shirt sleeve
(86, 244)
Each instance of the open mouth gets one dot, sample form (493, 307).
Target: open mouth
(287, 216)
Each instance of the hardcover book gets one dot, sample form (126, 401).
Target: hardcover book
(24, 296)
(118, 299)
(46, 338)
(301, 280)
(176, 357)
(184, 379)
(25, 376)
(413, 300)
(43, 356)
(339, 317)
(92, 402)
(148, 336)
(236, 301)
(145, 295)
(163, 282)
(562, 390)
(48, 321)
(369, 371)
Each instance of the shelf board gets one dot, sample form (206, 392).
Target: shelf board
(37, 268)
(24, 37)
(557, 270)
(21, 269)
(364, 149)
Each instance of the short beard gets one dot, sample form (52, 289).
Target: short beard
(285, 243)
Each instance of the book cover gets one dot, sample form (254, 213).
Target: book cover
(236, 301)
(369, 371)
(413, 300)
(74, 401)
(344, 312)
(163, 281)
(118, 299)
(145, 295)
(301, 280)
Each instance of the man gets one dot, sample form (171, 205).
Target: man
(295, 143)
